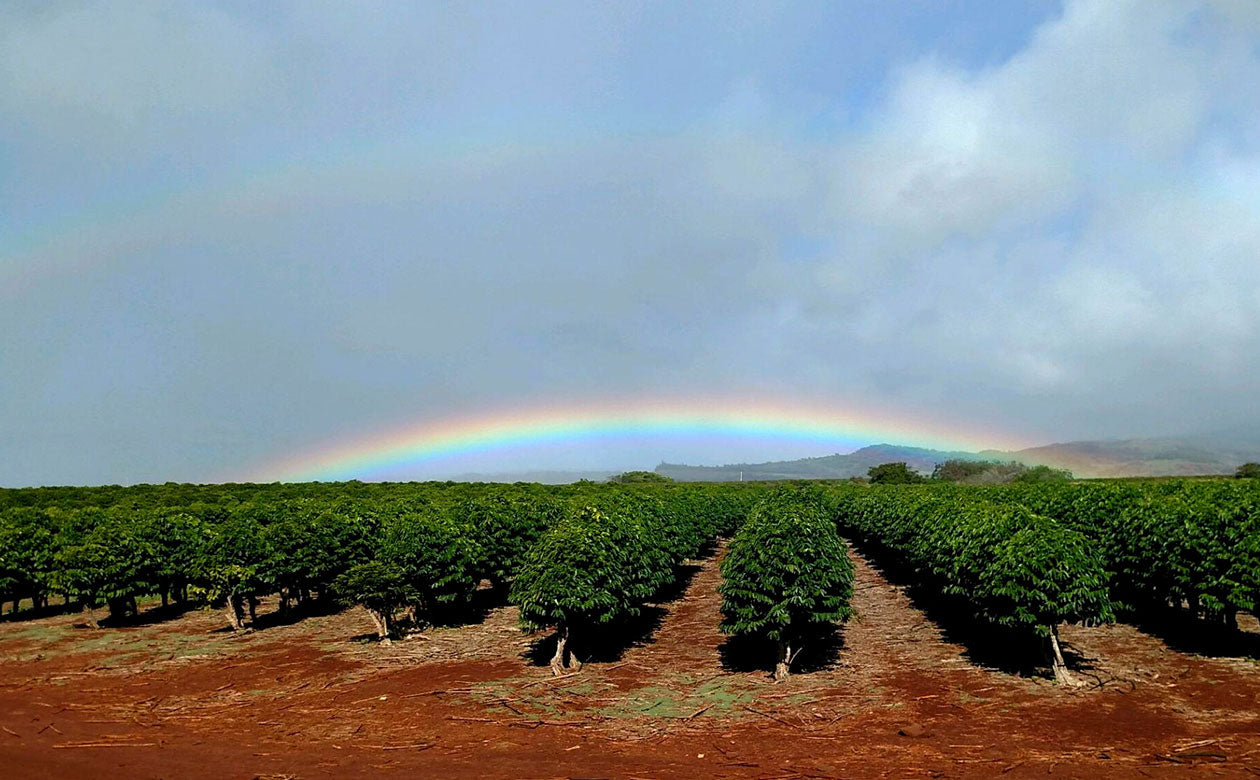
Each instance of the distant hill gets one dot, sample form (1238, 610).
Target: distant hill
(1209, 453)
(1162, 457)
(855, 464)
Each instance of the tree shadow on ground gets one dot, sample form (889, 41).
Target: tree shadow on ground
(707, 549)
(475, 610)
(819, 650)
(33, 613)
(296, 613)
(601, 644)
(608, 643)
(984, 644)
(684, 573)
(1185, 633)
(151, 616)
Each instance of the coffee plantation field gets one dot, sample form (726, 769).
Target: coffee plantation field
(315, 629)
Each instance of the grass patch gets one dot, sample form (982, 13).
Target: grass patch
(678, 697)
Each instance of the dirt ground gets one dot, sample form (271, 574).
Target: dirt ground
(176, 696)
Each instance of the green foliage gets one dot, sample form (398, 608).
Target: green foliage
(1010, 566)
(103, 556)
(381, 586)
(1164, 543)
(1044, 474)
(173, 540)
(993, 472)
(893, 474)
(1248, 471)
(235, 559)
(505, 526)
(786, 571)
(961, 470)
(632, 477)
(310, 545)
(27, 552)
(436, 556)
(615, 550)
(579, 573)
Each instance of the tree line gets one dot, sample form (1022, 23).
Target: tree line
(578, 559)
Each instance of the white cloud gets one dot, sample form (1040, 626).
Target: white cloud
(1069, 234)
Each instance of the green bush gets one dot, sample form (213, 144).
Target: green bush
(786, 573)
(1009, 566)
(1248, 471)
(380, 587)
(893, 474)
(436, 556)
(27, 554)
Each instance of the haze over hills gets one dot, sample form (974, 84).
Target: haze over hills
(1208, 453)
(543, 477)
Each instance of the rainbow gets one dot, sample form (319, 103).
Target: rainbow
(427, 443)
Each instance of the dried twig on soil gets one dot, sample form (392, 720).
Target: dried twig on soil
(771, 717)
(438, 692)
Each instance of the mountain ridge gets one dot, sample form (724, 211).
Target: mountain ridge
(1172, 456)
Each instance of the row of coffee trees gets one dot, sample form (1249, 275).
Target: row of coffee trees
(579, 559)
(419, 548)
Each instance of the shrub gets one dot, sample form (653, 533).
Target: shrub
(786, 572)
(437, 557)
(1248, 471)
(893, 474)
(381, 588)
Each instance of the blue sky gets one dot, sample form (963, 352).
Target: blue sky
(232, 231)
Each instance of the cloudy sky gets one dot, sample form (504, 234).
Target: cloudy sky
(233, 231)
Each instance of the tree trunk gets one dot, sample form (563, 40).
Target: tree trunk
(117, 608)
(166, 598)
(1231, 618)
(235, 612)
(1061, 674)
(558, 660)
(573, 663)
(89, 614)
(785, 658)
(381, 620)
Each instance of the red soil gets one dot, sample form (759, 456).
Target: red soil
(182, 699)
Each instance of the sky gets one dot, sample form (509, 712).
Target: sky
(232, 233)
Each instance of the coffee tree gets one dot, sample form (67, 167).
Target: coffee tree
(381, 588)
(786, 573)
